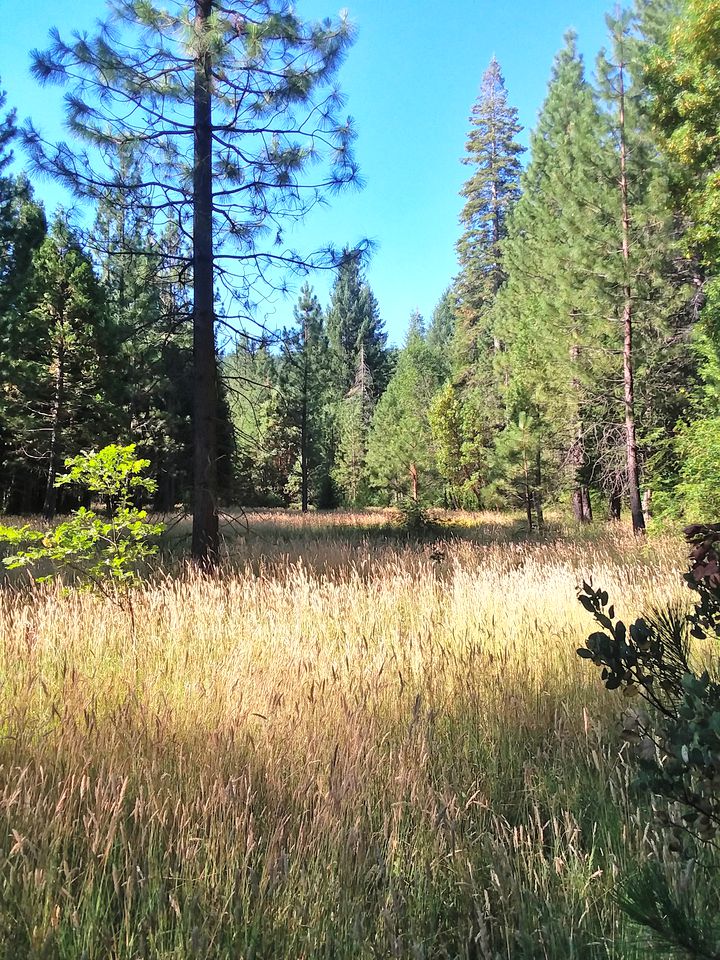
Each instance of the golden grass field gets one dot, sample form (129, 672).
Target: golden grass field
(343, 744)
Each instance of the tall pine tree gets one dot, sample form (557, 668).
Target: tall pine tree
(303, 389)
(232, 171)
(493, 152)
(553, 313)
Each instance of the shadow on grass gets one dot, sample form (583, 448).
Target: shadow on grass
(329, 541)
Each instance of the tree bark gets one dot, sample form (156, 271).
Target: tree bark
(586, 504)
(615, 506)
(538, 492)
(529, 506)
(205, 532)
(414, 481)
(57, 411)
(304, 426)
(633, 470)
(577, 450)
(647, 505)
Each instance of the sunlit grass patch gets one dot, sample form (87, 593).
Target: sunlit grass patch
(337, 746)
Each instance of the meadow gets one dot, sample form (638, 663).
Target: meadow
(345, 744)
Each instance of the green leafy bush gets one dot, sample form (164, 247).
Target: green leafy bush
(675, 733)
(100, 550)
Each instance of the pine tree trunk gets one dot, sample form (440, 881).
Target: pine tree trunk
(529, 506)
(586, 504)
(615, 506)
(414, 481)
(205, 532)
(538, 492)
(304, 434)
(647, 505)
(577, 450)
(528, 492)
(633, 470)
(57, 412)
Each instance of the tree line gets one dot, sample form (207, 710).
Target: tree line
(574, 357)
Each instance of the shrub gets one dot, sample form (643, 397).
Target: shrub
(101, 550)
(675, 734)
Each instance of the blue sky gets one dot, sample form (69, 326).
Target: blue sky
(410, 80)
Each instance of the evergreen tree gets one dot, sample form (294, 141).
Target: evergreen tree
(59, 359)
(684, 75)
(490, 193)
(441, 332)
(461, 449)
(22, 231)
(642, 260)
(400, 457)
(236, 170)
(352, 418)
(516, 469)
(265, 426)
(149, 309)
(553, 313)
(354, 325)
(303, 391)
(349, 469)
(7, 135)
(493, 152)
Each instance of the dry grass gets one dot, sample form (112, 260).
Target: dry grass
(342, 746)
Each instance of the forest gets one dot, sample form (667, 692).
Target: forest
(314, 646)
(571, 360)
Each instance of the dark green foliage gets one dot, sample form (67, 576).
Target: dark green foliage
(358, 368)
(665, 902)
(59, 361)
(554, 316)
(471, 412)
(304, 398)
(354, 326)
(441, 331)
(676, 733)
(149, 304)
(493, 152)
(265, 442)
(400, 456)
(516, 469)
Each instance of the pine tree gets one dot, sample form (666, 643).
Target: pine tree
(7, 135)
(303, 389)
(462, 447)
(149, 308)
(684, 78)
(516, 469)
(475, 407)
(553, 313)
(230, 174)
(353, 416)
(401, 457)
(493, 152)
(59, 359)
(441, 332)
(354, 324)
(267, 440)
(22, 231)
(642, 261)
